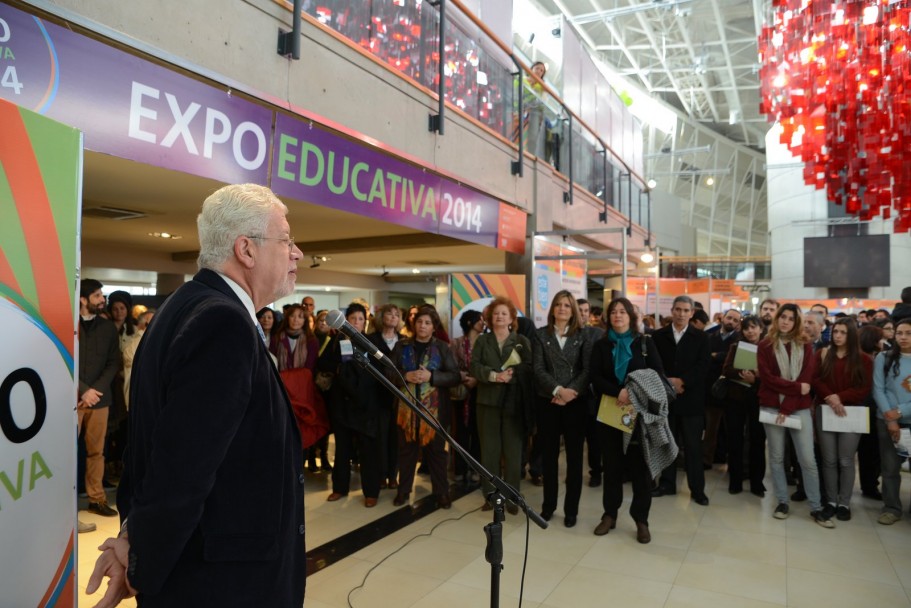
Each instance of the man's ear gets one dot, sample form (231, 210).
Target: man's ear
(244, 251)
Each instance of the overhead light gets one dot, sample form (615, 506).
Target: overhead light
(710, 181)
(415, 271)
(652, 183)
(316, 261)
(385, 272)
(328, 289)
(647, 257)
(165, 235)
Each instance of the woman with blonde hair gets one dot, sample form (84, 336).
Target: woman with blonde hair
(786, 366)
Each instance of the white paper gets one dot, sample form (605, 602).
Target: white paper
(768, 415)
(856, 421)
(904, 443)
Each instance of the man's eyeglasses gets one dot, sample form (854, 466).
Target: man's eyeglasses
(289, 241)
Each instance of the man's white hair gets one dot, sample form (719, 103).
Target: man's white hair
(230, 212)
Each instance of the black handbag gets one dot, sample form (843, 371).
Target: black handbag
(720, 388)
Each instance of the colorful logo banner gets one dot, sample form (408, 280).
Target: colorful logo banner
(40, 186)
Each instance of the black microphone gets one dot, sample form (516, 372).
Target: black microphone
(336, 320)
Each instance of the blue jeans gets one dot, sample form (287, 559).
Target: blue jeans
(803, 444)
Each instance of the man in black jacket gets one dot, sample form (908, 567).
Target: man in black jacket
(684, 352)
(213, 489)
(902, 310)
(99, 362)
(719, 344)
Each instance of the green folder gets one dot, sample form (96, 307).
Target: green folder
(745, 357)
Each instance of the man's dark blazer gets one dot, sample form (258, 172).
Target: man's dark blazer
(689, 361)
(99, 358)
(214, 468)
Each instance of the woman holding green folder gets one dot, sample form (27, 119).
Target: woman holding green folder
(614, 356)
(741, 412)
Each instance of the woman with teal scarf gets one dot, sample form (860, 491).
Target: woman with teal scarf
(614, 356)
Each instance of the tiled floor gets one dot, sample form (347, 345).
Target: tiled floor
(730, 554)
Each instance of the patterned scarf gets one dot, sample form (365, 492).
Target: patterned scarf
(462, 352)
(407, 420)
(788, 366)
(288, 359)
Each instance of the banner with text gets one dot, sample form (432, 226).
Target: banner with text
(40, 189)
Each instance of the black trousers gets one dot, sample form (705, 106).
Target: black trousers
(592, 438)
(434, 453)
(742, 417)
(388, 445)
(868, 463)
(688, 429)
(368, 448)
(568, 421)
(616, 463)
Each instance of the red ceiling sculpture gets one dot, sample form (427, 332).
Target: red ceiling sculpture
(836, 75)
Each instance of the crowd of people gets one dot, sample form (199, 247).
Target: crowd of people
(516, 396)
(217, 517)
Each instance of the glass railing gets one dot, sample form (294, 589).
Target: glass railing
(480, 80)
(740, 269)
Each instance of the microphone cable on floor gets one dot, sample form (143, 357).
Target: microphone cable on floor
(430, 533)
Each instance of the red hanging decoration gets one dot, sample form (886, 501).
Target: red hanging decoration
(835, 74)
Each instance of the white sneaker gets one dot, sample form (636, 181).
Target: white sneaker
(82, 527)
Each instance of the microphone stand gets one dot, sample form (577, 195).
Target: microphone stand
(501, 493)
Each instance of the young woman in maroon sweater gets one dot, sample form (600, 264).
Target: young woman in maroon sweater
(843, 377)
(786, 364)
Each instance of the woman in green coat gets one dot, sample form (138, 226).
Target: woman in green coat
(501, 363)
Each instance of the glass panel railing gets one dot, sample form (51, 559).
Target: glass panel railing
(479, 80)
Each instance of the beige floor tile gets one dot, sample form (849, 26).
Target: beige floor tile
(432, 557)
(801, 527)
(687, 597)
(896, 537)
(388, 587)
(901, 563)
(813, 589)
(453, 595)
(842, 561)
(749, 518)
(331, 586)
(750, 579)
(587, 587)
(750, 546)
(542, 575)
(624, 555)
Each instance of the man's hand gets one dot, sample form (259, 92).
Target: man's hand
(804, 388)
(678, 385)
(748, 376)
(90, 398)
(112, 563)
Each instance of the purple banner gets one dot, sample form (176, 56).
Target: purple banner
(319, 167)
(130, 107)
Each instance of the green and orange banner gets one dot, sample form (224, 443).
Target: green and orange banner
(40, 193)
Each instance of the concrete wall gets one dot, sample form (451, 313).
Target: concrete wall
(790, 201)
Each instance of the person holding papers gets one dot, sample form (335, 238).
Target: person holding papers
(614, 356)
(786, 365)
(892, 392)
(742, 408)
(501, 362)
(843, 379)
